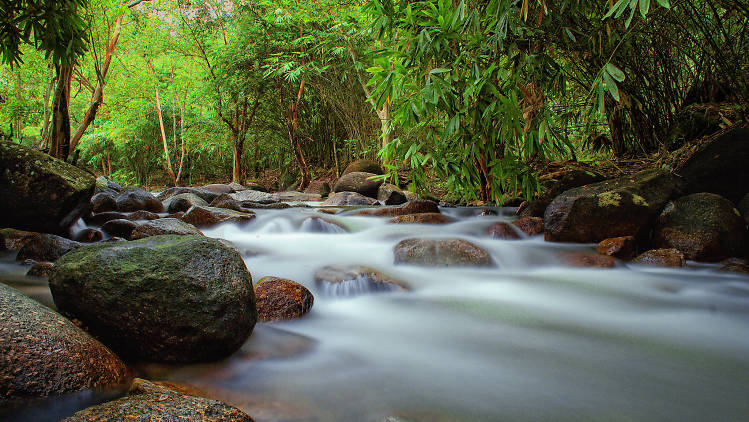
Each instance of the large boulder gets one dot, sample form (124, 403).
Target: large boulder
(716, 163)
(163, 298)
(349, 198)
(255, 196)
(281, 299)
(318, 187)
(555, 186)
(135, 199)
(183, 202)
(46, 247)
(120, 227)
(202, 193)
(40, 193)
(704, 226)
(220, 188)
(163, 226)
(150, 401)
(42, 353)
(391, 194)
(441, 253)
(104, 184)
(104, 201)
(359, 182)
(363, 166)
(200, 216)
(626, 206)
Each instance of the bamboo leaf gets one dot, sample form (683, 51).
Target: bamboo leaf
(615, 72)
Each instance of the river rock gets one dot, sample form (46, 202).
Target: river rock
(40, 269)
(46, 247)
(203, 194)
(183, 202)
(200, 216)
(735, 265)
(662, 257)
(618, 207)
(88, 236)
(227, 202)
(102, 217)
(135, 199)
(163, 298)
(413, 207)
(716, 164)
(349, 198)
(143, 215)
(13, 240)
(552, 188)
(104, 201)
(40, 193)
(281, 299)
(220, 188)
(318, 187)
(356, 279)
(624, 247)
(531, 226)
(104, 184)
(316, 224)
(583, 259)
(120, 227)
(391, 194)
(255, 196)
(42, 353)
(363, 166)
(441, 253)
(504, 231)
(163, 226)
(704, 226)
(149, 401)
(422, 218)
(359, 182)
(743, 207)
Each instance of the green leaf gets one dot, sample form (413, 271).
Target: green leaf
(611, 86)
(644, 7)
(615, 8)
(664, 3)
(615, 72)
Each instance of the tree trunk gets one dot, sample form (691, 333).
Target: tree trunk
(167, 160)
(60, 140)
(236, 168)
(297, 148)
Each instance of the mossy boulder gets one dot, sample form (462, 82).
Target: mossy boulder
(163, 298)
(42, 353)
(359, 182)
(40, 193)
(154, 402)
(365, 166)
(704, 226)
(441, 253)
(281, 299)
(553, 187)
(715, 164)
(626, 206)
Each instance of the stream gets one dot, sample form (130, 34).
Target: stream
(528, 340)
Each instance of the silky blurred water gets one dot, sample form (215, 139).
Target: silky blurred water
(527, 340)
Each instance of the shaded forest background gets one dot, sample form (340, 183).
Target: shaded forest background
(472, 98)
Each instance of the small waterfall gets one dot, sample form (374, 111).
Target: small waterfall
(320, 225)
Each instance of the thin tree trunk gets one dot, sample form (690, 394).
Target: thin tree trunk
(167, 160)
(182, 136)
(44, 132)
(60, 140)
(236, 168)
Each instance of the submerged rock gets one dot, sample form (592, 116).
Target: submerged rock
(354, 279)
(135, 199)
(359, 182)
(735, 265)
(422, 218)
(201, 216)
(441, 253)
(40, 193)
(163, 226)
(42, 353)
(531, 226)
(582, 259)
(624, 247)
(46, 247)
(322, 225)
(704, 226)
(349, 198)
(503, 230)
(150, 401)
(626, 206)
(662, 257)
(281, 299)
(163, 298)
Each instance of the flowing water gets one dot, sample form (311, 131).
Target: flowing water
(528, 340)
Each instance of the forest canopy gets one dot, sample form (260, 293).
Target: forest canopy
(472, 97)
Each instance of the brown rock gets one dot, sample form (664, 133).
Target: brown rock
(40, 269)
(624, 247)
(227, 202)
(120, 227)
(149, 401)
(102, 217)
(318, 187)
(441, 253)
(422, 218)
(46, 247)
(366, 166)
(219, 188)
(503, 230)
(322, 225)
(42, 353)
(209, 216)
(736, 265)
(391, 194)
(359, 182)
(280, 299)
(104, 201)
(531, 226)
(582, 259)
(163, 226)
(662, 257)
(143, 215)
(13, 240)
(349, 198)
(354, 279)
(413, 207)
(135, 199)
(88, 236)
